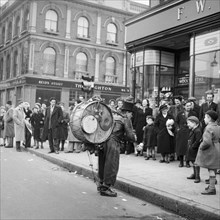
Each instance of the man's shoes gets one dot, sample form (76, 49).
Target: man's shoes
(162, 161)
(147, 158)
(36, 148)
(7, 146)
(50, 152)
(69, 151)
(191, 177)
(108, 192)
(209, 191)
(56, 152)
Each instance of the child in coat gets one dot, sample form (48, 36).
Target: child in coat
(209, 150)
(194, 139)
(149, 138)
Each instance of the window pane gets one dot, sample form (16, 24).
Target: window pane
(111, 32)
(51, 20)
(83, 27)
(207, 74)
(81, 62)
(110, 66)
(49, 61)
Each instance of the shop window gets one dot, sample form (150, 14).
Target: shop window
(49, 61)
(1, 68)
(9, 31)
(8, 66)
(26, 20)
(51, 21)
(3, 35)
(110, 72)
(111, 33)
(83, 27)
(207, 75)
(17, 26)
(15, 66)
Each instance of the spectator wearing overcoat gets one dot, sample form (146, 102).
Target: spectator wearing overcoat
(208, 105)
(209, 150)
(53, 117)
(63, 127)
(183, 132)
(9, 125)
(140, 119)
(19, 125)
(165, 144)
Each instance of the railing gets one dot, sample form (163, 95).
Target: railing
(111, 78)
(77, 74)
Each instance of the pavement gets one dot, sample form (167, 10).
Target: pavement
(162, 184)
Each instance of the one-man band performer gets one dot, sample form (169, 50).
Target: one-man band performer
(109, 152)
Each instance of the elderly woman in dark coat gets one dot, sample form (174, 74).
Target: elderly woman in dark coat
(165, 143)
(63, 127)
(183, 132)
(209, 150)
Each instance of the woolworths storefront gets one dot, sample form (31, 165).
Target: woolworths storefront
(175, 48)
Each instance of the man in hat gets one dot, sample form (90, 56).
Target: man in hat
(109, 152)
(208, 105)
(9, 125)
(53, 117)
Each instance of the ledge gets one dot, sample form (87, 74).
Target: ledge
(50, 32)
(83, 38)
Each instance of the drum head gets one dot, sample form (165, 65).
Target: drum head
(89, 124)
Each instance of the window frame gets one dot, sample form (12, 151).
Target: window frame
(50, 22)
(84, 28)
(110, 33)
(48, 62)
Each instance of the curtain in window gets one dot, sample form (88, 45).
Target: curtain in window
(15, 66)
(110, 66)
(1, 69)
(8, 66)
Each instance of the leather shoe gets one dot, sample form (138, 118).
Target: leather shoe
(109, 192)
(56, 152)
(50, 152)
(207, 181)
(68, 151)
(192, 177)
(209, 192)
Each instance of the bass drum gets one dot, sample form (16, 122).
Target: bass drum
(92, 122)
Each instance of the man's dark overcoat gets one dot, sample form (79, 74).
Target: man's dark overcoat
(56, 118)
(182, 132)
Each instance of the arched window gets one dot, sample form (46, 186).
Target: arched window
(8, 66)
(110, 66)
(26, 20)
(3, 35)
(51, 21)
(111, 33)
(15, 64)
(17, 26)
(81, 62)
(1, 69)
(9, 31)
(49, 61)
(83, 27)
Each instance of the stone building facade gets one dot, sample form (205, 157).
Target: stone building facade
(46, 47)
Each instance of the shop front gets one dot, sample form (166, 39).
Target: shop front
(175, 50)
(34, 89)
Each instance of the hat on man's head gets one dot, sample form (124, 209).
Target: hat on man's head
(193, 119)
(20, 102)
(127, 106)
(9, 102)
(52, 98)
(163, 107)
(213, 115)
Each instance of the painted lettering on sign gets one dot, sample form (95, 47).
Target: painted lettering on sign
(200, 6)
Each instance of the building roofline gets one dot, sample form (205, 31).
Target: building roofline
(153, 11)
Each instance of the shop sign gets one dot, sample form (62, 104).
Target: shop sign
(69, 84)
(12, 83)
(183, 81)
(207, 42)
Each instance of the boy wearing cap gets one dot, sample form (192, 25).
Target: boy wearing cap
(209, 150)
(194, 139)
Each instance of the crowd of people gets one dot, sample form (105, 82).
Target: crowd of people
(177, 130)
